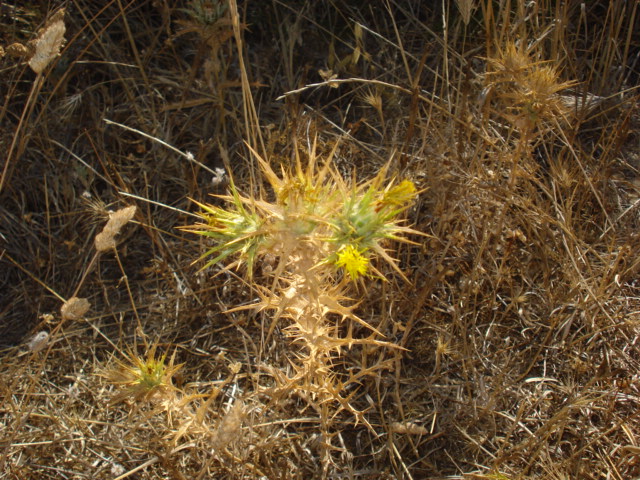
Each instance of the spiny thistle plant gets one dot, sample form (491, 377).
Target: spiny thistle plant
(206, 12)
(210, 20)
(324, 233)
(528, 89)
(143, 377)
(527, 94)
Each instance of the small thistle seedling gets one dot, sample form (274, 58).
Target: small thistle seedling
(206, 12)
(142, 378)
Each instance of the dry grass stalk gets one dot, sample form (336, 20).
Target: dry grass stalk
(40, 52)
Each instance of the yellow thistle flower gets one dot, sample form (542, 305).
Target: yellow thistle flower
(353, 261)
(400, 194)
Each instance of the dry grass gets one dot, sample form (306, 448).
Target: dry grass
(517, 121)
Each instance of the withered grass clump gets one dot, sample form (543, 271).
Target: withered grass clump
(316, 343)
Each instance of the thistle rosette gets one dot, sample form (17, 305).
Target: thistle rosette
(312, 223)
(142, 377)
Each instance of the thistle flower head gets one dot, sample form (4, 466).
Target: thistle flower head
(354, 262)
(236, 230)
(399, 195)
(368, 217)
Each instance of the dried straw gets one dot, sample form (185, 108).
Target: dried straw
(105, 240)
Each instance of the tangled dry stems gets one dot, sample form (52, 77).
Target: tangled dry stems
(518, 337)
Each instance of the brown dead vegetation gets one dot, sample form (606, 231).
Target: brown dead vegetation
(513, 352)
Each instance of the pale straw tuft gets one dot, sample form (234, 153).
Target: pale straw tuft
(466, 7)
(229, 427)
(408, 428)
(38, 341)
(17, 50)
(49, 42)
(105, 240)
(75, 308)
